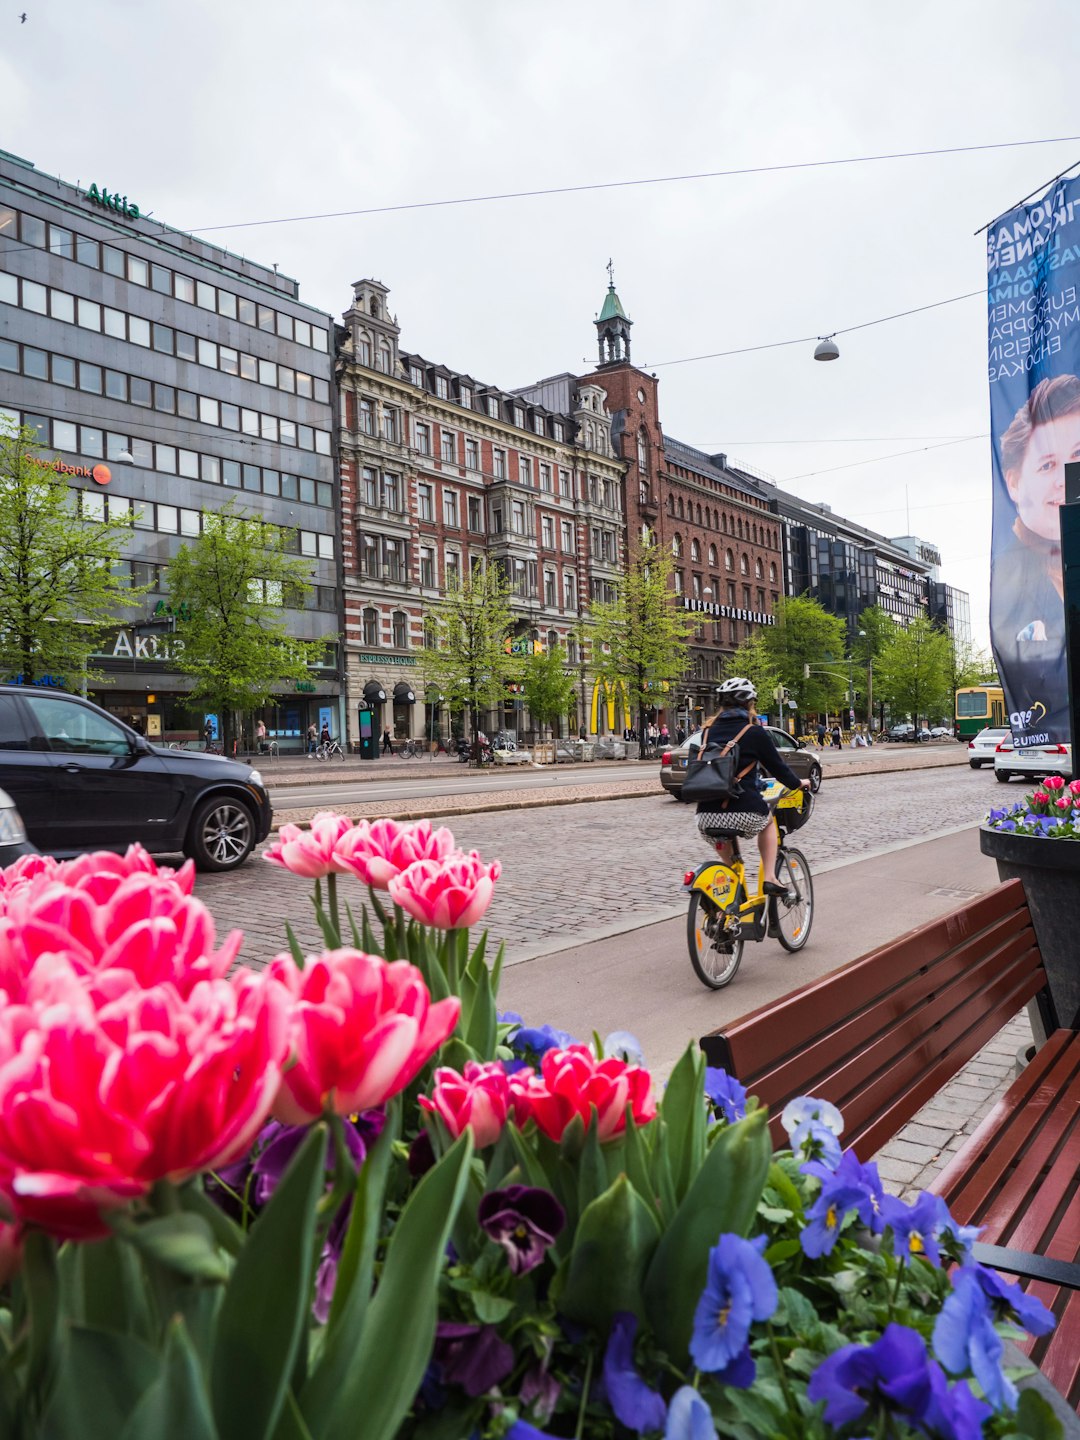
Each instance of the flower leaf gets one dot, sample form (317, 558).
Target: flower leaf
(615, 1240)
(182, 1242)
(176, 1406)
(684, 1114)
(723, 1197)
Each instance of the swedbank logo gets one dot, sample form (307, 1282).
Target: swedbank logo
(101, 474)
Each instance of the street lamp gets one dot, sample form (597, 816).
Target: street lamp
(869, 682)
(826, 349)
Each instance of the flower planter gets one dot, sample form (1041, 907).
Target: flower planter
(1050, 872)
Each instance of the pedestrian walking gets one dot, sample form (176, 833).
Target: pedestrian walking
(312, 738)
(387, 744)
(821, 732)
(837, 737)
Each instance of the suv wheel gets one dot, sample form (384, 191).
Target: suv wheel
(222, 833)
(815, 779)
(1003, 775)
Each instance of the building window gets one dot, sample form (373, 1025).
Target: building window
(449, 447)
(729, 560)
(496, 520)
(549, 587)
(569, 590)
(390, 425)
(498, 463)
(676, 546)
(394, 559)
(695, 586)
(427, 566)
(416, 375)
(564, 482)
(567, 537)
(547, 532)
(442, 387)
(519, 417)
(759, 570)
(545, 479)
(712, 556)
(452, 565)
(695, 550)
(384, 362)
(465, 397)
(493, 407)
(572, 649)
(678, 582)
(476, 513)
(517, 517)
(371, 626)
(425, 502)
(744, 564)
(400, 630)
(369, 487)
(643, 451)
(391, 492)
(450, 508)
(538, 425)
(772, 574)
(524, 470)
(557, 431)
(422, 435)
(472, 455)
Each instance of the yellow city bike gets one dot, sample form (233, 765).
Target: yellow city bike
(723, 914)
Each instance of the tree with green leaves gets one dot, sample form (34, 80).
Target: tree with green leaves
(59, 586)
(548, 686)
(468, 637)
(876, 628)
(914, 673)
(805, 637)
(639, 641)
(229, 590)
(754, 660)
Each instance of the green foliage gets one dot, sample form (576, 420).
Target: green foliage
(59, 591)
(228, 589)
(639, 641)
(876, 628)
(970, 666)
(548, 688)
(914, 674)
(466, 658)
(805, 634)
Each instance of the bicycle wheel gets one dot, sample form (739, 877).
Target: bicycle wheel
(715, 960)
(792, 919)
(340, 753)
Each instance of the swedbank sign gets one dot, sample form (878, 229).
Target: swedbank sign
(109, 200)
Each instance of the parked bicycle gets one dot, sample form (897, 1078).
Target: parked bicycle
(411, 749)
(723, 914)
(329, 750)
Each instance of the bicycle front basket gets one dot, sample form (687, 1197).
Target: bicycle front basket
(793, 811)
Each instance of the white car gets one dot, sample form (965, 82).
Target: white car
(981, 749)
(1035, 762)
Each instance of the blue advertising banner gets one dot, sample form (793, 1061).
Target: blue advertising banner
(1033, 291)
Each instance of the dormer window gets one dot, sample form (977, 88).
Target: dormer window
(493, 407)
(442, 387)
(538, 424)
(416, 375)
(465, 397)
(557, 430)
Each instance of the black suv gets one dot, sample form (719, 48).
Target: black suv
(82, 780)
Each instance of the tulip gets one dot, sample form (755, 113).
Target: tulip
(450, 894)
(380, 850)
(478, 1101)
(104, 1094)
(1074, 787)
(1054, 783)
(573, 1082)
(362, 1029)
(310, 853)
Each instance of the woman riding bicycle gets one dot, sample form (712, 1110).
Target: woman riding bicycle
(747, 814)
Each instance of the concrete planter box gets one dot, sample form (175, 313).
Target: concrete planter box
(1050, 873)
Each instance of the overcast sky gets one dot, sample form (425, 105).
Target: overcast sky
(212, 113)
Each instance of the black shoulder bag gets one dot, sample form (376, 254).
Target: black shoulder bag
(715, 774)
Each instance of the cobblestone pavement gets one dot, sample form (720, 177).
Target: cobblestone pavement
(571, 868)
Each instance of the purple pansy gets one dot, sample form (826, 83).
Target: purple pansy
(916, 1227)
(475, 1357)
(853, 1176)
(953, 1412)
(525, 1220)
(532, 1043)
(813, 1127)
(689, 1418)
(635, 1404)
(739, 1289)
(965, 1339)
(896, 1368)
(727, 1096)
(1014, 1305)
(825, 1218)
(540, 1391)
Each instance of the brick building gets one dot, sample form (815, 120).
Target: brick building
(440, 471)
(725, 541)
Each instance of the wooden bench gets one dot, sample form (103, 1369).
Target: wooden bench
(881, 1036)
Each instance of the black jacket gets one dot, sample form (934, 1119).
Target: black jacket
(755, 745)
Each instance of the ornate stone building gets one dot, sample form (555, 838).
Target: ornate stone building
(440, 471)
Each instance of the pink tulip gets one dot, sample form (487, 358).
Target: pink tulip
(449, 894)
(478, 1101)
(379, 850)
(1054, 783)
(1074, 787)
(573, 1082)
(362, 1029)
(310, 853)
(103, 1094)
(11, 1251)
(1063, 804)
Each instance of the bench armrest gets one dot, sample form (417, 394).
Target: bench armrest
(1027, 1266)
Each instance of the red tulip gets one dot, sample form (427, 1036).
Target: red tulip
(478, 1101)
(573, 1082)
(449, 894)
(106, 1088)
(380, 850)
(310, 852)
(1054, 783)
(362, 1028)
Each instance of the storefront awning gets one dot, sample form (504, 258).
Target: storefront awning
(403, 693)
(373, 692)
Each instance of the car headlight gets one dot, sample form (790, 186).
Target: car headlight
(12, 829)
(256, 779)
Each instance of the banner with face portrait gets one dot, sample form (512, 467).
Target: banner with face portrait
(1033, 261)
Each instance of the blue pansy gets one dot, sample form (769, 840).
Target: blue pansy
(636, 1405)
(955, 1239)
(689, 1418)
(825, 1219)
(1010, 1303)
(522, 1430)
(851, 1174)
(621, 1045)
(953, 1412)
(531, 1043)
(895, 1368)
(739, 1289)
(813, 1127)
(915, 1228)
(965, 1339)
(728, 1097)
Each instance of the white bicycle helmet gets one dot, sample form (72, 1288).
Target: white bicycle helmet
(736, 689)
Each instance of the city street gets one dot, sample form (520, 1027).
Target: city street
(577, 872)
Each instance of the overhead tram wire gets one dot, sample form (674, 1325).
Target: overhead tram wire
(878, 459)
(629, 184)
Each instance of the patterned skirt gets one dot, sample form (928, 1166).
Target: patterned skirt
(731, 822)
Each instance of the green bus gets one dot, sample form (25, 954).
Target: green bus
(976, 707)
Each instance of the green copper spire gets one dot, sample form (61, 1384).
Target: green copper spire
(612, 304)
(613, 327)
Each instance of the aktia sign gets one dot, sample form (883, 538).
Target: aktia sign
(109, 200)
